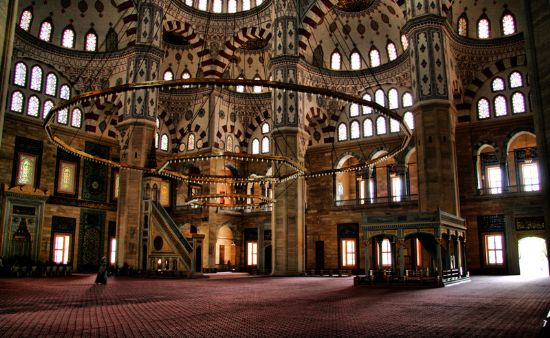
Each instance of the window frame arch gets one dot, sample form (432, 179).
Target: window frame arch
(168, 75)
(91, 32)
(265, 126)
(355, 60)
(505, 14)
(266, 145)
(408, 118)
(374, 52)
(342, 132)
(50, 33)
(501, 80)
(255, 146)
(393, 95)
(368, 123)
(20, 66)
(21, 99)
(354, 125)
(20, 21)
(48, 103)
(61, 91)
(487, 104)
(502, 103)
(336, 64)
(36, 113)
(513, 100)
(392, 54)
(367, 110)
(378, 124)
(76, 118)
(510, 80)
(191, 142)
(404, 99)
(32, 82)
(68, 30)
(483, 17)
(464, 17)
(164, 143)
(47, 84)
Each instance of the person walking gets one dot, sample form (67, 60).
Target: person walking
(101, 277)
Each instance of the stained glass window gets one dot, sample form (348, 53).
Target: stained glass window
(255, 146)
(232, 6)
(380, 98)
(393, 98)
(67, 39)
(76, 118)
(518, 103)
(366, 109)
(265, 128)
(91, 42)
(407, 99)
(25, 20)
(516, 80)
(48, 105)
(65, 92)
(355, 130)
(164, 142)
(381, 125)
(508, 24)
(355, 61)
(374, 56)
(463, 26)
(36, 78)
(26, 169)
(246, 5)
(186, 75)
(367, 128)
(354, 110)
(392, 51)
(394, 126)
(404, 42)
(335, 61)
(20, 74)
(217, 6)
(483, 28)
(191, 142)
(501, 107)
(497, 84)
(168, 75)
(51, 84)
(66, 178)
(16, 102)
(409, 119)
(265, 144)
(33, 106)
(229, 143)
(63, 116)
(342, 132)
(45, 33)
(483, 109)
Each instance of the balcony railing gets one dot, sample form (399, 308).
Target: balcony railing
(388, 200)
(512, 189)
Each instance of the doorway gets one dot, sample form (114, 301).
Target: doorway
(533, 257)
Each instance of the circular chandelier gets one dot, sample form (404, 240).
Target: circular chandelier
(290, 169)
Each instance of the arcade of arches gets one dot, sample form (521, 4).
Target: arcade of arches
(465, 195)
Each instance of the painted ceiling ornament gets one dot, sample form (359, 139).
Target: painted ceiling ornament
(353, 5)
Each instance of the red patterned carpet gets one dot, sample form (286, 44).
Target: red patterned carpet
(264, 306)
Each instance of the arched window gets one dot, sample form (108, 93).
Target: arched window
(335, 61)
(265, 128)
(366, 109)
(255, 146)
(158, 123)
(246, 5)
(48, 105)
(20, 74)
(508, 24)
(76, 118)
(217, 6)
(45, 33)
(51, 84)
(191, 142)
(91, 41)
(367, 128)
(518, 103)
(484, 28)
(381, 126)
(404, 42)
(380, 98)
(240, 88)
(392, 51)
(355, 130)
(186, 75)
(111, 40)
(394, 126)
(257, 89)
(229, 143)
(483, 109)
(497, 85)
(407, 100)
(265, 144)
(374, 56)
(67, 39)
(232, 6)
(65, 92)
(63, 116)
(189, 2)
(36, 78)
(203, 5)
(354, 110)
(463, 25)
(355, 60)
(164, 142)
(25, 20)
(393, 98)
(342, 132)
(516, 80)
(409, 120)
(386, 252)
(33, 106)
(16, 102)
(168, 75)
(501, 107)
